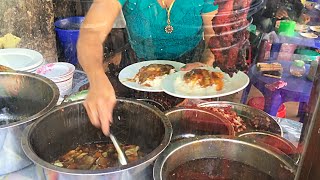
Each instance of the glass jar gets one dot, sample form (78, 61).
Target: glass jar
(297, 68)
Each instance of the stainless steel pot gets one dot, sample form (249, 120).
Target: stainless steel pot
(273, 163)
(191, 122)
(255, 119)
(275, 141)
(68, 125)
(24, 97)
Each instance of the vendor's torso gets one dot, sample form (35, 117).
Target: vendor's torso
(146, 21)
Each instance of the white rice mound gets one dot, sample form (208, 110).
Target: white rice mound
(156, 82)
(182, 87)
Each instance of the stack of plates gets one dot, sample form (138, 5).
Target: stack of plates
(20, 59)
(60, 73)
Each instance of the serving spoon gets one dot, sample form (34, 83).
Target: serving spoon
(121, 155)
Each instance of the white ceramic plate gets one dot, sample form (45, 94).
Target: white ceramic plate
(231, 85)
(302, 28)
(309, 35)
(56, 71)
(315, 28)
(130, 71)
(20, 59)
(317, 6)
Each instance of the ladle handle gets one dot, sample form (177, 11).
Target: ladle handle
(121, 155)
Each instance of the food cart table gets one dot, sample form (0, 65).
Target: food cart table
(301, 41)
(291, 131)
(298, 89)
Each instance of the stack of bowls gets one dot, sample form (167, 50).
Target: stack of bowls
(61, 73)
(21, 59)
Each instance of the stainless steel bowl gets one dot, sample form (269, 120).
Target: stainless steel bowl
(24, 97)
(275, 141)
(68, 125)
(270, 162)
(248, 114)
(191, 122)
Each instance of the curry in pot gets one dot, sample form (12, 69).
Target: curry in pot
(96, 156)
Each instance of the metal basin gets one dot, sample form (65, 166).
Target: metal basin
(67, 126)
(254, 119)
(191, 122)
(275, 141)
(272, 163)
(24, 97)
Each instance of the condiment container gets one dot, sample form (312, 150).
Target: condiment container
(313, 70)
(287, 27)
(297, 68)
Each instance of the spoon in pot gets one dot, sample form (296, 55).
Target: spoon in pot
(121, 155)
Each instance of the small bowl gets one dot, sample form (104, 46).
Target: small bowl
(191, 122)
(61, 73)
(275, 141)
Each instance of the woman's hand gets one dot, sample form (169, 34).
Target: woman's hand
(304, 18)
(191, 66)
(100, 102)
(281, 13)
(95, 28)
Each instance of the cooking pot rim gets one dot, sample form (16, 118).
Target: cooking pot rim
(26, 145)
(234, 105)
(221, 118)
(173, 147)
(46, 109)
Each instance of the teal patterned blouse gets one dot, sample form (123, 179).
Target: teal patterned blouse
(146, 21)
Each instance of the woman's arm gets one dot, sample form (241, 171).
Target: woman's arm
(208, 56)
(93, 32)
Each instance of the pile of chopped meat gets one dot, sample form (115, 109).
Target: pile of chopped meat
(204, 78)
(227, 112)
(230, 35)
(96, 156)
(151, 72)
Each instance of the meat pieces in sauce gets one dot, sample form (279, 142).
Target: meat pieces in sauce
(96, 156)
(204, 78)
(152, 71)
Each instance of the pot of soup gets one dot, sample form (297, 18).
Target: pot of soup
(191, 122)
(24, 97)
(219, 157)
(67, 146)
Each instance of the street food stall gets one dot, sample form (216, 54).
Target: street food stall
(168, 123)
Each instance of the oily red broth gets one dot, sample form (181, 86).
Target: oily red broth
(221, 169)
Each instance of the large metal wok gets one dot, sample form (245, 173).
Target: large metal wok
(226, 154)
(24, 97)
(67, 126)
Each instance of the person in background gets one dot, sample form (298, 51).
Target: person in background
(278, 10)
(163, 29)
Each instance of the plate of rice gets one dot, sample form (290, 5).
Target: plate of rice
(148, 75)
(178, 85)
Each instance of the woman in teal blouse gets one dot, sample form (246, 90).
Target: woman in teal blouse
(158, 29)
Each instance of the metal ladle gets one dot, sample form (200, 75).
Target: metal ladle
(121, 155)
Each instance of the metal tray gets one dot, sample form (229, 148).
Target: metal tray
(248, 113)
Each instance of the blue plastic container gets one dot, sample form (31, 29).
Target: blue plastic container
(67, 31)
